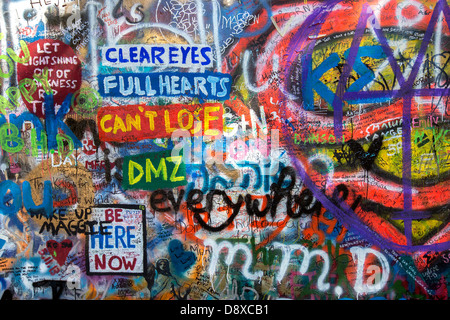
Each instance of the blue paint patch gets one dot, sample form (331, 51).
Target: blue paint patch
(311, 80)
(54, 122)
(207, 85)
(182, 260)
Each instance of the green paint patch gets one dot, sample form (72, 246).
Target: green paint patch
(154, 170)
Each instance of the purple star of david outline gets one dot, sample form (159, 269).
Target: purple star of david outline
(406, 92)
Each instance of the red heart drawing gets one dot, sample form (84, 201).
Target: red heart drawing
(59, 250)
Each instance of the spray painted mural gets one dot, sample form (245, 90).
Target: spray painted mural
(224, 149)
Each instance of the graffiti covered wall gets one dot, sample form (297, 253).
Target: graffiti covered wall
(224, 149)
